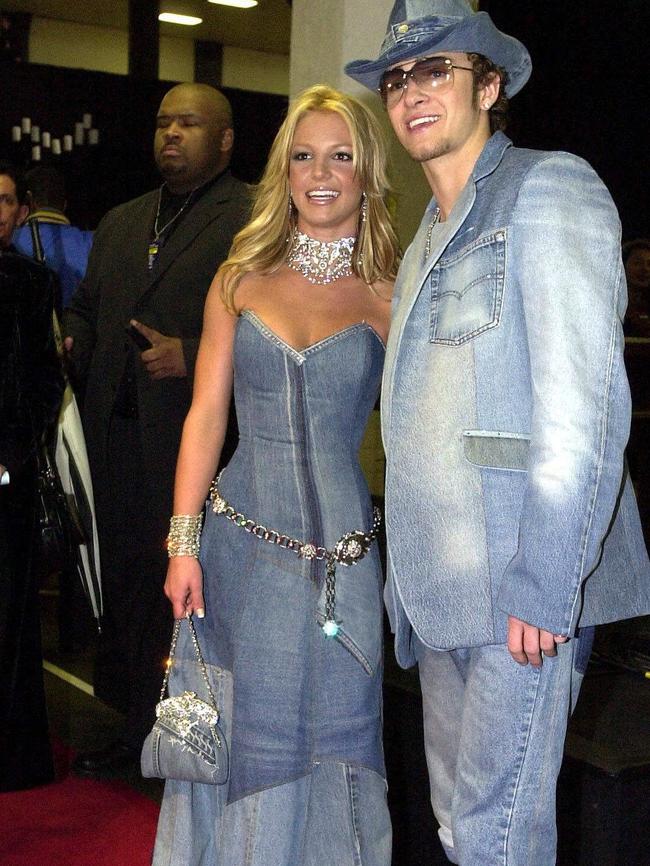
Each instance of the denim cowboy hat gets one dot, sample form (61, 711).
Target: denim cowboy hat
(417, 28)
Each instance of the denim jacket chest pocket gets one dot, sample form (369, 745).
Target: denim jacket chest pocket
(467, 290)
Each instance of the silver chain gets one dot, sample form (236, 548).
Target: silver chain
(348, 550)
(304, 549)
(158, 232)
(199, 658)
(435, 220)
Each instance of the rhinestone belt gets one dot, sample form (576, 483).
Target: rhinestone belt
(348, 550)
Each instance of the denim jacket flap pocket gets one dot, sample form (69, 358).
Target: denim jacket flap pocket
(496, 450)
(467, 290)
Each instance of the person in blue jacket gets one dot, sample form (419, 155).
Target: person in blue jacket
(65, 247)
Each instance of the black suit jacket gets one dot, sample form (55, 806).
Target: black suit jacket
(118, 286)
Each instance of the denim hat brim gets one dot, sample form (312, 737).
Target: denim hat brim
(473, 33)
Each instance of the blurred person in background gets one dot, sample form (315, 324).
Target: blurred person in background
(46, 235)
(13, 203)
(65, 247)
(636, 259)
(31, 385)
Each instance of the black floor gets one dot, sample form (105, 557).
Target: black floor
(604, 787)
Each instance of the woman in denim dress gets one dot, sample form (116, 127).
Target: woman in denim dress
(296, 321)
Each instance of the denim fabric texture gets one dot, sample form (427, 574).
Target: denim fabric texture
(337, 813)
(298, 696)
(494, 735)
(506, 411)
(420, 27)
(302, 712)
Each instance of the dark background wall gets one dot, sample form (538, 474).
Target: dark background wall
(588, 92)
(124, 111)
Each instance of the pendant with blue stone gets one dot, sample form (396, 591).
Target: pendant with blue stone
(330, 627)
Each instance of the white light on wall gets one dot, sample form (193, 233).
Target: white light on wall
(173, 18)
(240, 4)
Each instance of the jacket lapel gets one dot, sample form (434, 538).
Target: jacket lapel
(421, 264)
(137, 231)
(416, 267)
(413, 274)
(206, 210)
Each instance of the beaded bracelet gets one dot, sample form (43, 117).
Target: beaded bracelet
(184, 537)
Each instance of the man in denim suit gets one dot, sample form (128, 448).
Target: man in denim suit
(512, 525)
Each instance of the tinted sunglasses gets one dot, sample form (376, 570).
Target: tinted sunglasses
(435, 72)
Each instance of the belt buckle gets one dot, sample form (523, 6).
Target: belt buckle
(351, 547)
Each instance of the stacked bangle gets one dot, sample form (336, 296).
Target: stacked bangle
(184, 537)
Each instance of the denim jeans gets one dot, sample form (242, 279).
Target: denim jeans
(494, 737)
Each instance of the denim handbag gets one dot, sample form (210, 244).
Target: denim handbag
(186, 742)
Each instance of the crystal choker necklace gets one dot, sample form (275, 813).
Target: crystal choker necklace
(321, 262)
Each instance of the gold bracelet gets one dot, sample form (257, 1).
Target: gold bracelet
(184, 537)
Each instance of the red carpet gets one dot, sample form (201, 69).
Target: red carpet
(77, 822)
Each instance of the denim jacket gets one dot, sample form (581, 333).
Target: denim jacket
(506, 412)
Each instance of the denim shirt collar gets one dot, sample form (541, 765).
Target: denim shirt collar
(491, 155)
(488, 161)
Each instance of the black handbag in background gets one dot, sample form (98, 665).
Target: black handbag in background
(58, 528)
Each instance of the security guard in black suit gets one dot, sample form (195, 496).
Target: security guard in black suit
(132, 333)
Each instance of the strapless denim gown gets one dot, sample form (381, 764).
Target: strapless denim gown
(294, 701)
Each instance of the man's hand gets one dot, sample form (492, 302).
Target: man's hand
(527, 643)
(165, 358)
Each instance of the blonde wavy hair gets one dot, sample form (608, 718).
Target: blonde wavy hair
(262, 245)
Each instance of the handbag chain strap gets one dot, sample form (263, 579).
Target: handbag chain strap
(199, 658)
